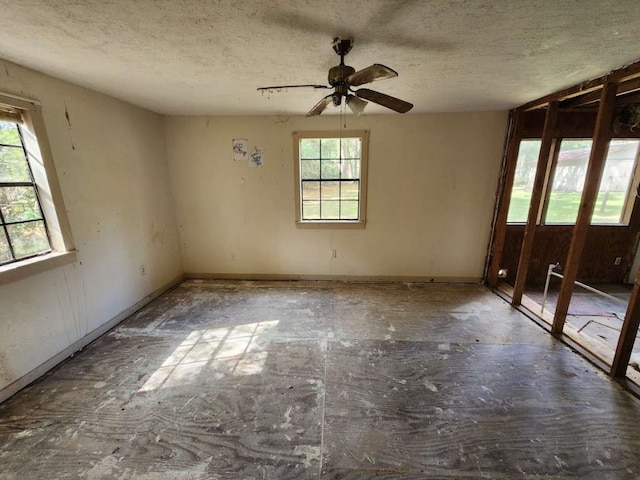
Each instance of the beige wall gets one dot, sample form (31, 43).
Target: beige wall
(111, 162)
(432, 181)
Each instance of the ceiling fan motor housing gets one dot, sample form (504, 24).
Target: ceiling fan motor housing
(337, 77)
(338, 73)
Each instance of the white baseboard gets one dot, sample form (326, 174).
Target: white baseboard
(39, 371)
(337, 278)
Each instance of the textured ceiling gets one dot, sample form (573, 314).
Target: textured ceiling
(207, 57)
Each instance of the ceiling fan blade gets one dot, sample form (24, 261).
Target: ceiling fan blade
(320, 106)
(282, 87)
(369, 74)
(388, 101)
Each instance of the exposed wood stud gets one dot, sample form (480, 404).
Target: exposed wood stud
(624, 90)
(628, 333)
(542, 173)
(601, 138)
(627, 73)
(509, 169)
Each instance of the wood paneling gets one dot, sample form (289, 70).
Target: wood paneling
(604, 243)
(570, 124)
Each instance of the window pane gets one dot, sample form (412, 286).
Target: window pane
(5, 252)
(28, 238)
(9, 134)
(330, 209)
(329, 176)
(350, 190)
(330, 191)
(615, 182)
(523, 181)
(311, 210)
(310, 190)
(350, 148)
(310, 148)
(568, 181)
(310, 169)
(19, 204)
(350, 169)
(349, 210)
(330, 169)
(329, 148)
(13, 165)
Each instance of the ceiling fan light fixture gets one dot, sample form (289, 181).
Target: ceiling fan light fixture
(356, 104)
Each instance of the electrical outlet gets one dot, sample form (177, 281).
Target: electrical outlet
(617, 261)
(334, 254)
(143, 270)
(233, 256)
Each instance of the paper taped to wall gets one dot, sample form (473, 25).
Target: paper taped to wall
(240, 147)
(257, 157)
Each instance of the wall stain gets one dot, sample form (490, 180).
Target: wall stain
(6, 374)
(66, 115)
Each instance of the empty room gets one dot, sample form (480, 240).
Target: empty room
(319, 240)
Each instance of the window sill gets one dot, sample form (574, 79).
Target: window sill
(329, 224)
(20, 270)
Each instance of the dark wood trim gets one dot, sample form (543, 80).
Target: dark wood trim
(601, 138)
(542, 174)
(624, 89)
(504, 195)
(627, 98)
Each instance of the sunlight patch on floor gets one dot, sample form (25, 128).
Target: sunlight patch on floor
(240, 350)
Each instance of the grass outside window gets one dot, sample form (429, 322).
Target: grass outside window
(614, 200)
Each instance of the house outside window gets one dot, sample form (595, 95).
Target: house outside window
(616, 194)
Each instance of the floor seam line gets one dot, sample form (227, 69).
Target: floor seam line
(324, 408)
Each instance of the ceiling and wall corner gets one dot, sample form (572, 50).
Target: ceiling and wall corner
(206, 57)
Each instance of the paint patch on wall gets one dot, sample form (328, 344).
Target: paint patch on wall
(240, 147)
(6, 374)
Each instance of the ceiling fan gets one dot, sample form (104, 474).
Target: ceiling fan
(342, 79)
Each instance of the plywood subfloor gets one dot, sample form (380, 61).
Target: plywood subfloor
(315, 380)
(595, 321)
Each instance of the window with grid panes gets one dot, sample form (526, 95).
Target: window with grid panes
(331, 177)
(23, 229)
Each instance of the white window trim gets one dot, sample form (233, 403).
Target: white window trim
(51, 201)
(364, 167)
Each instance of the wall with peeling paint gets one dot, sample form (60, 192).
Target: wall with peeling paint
(111, 162)
(432, 181)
